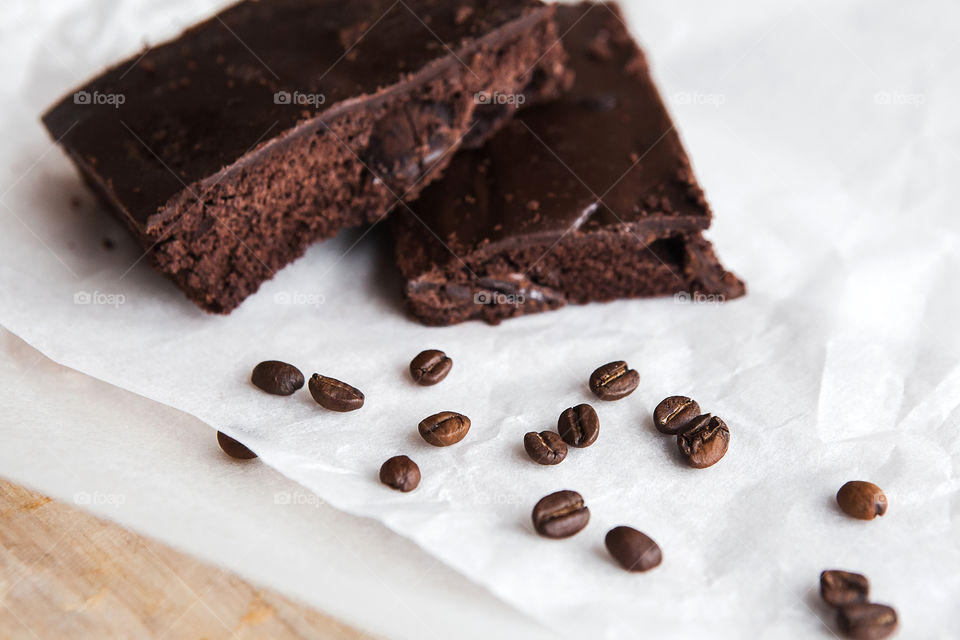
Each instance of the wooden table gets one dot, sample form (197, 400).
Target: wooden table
(66, 574)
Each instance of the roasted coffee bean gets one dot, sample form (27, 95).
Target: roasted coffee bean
(704, 441)
(400, 473)
(545, 447)
(335, 395)
(614, 381)
(674, 414)
(444, 429)
(560, 515)
(838, 588)
(430, 367)
(278, 378)
(863, 500)
(867, 621)
(579, 426)
(633, 550)
(233, 448)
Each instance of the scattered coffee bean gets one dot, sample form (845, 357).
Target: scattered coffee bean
(444, 429)
(867, 621)
(560, 515)
(614, 381)
(863, 500)
(633, 550)
(278, 378)
(579, 426)
(400, 473)
(674, 414)
(233, 448)
(838, 588)
(430, 367)
(545, 447)
(704, 441)
(335, 395)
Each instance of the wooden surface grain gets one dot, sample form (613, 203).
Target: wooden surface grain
(66, 574)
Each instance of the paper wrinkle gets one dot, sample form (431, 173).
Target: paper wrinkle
(841, 363)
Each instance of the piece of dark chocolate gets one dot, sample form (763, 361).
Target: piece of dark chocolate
(275, 124)
(589, 198)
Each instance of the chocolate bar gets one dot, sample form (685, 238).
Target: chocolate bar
(272, 125)
(589, 198)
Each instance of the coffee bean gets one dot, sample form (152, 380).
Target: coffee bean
(400, 473)
(867, 621)
(278, 378)
(633, 550)
(335, 395)
(545, 447)
(704, 441)
(444, 429)
(838, 588)
(430, 367)
(863, 500)
(560, 515)
(674, 414)
(579, 426)
(614, 381)
(233, 448)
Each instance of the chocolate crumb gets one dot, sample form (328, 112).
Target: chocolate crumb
(463, 14)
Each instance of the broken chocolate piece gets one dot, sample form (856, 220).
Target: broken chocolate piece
(590, 198)
(275, 124)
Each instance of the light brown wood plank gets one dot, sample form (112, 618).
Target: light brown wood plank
(67, 574)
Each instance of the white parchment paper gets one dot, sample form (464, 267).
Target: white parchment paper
(155, 470)
(826, 137)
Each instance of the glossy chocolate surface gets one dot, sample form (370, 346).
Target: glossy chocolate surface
(604, 155)
(244, 79)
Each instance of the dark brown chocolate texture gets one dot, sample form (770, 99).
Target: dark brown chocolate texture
(275, 124)
(588, 198)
